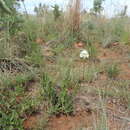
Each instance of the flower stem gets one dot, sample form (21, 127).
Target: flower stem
(83, 69)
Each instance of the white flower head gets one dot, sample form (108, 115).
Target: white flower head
(84, 54)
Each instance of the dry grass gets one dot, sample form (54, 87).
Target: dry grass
(73, 15)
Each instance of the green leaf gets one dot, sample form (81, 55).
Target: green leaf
(4, 6)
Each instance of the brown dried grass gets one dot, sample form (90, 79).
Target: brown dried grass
(73, 15)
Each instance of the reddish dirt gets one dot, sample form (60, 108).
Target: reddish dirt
(125, 71)
(30, 122)
(87, 121)
(107, 54)
(80, 120)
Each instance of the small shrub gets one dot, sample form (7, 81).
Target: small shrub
(12, 112)
(67, 77)
(35, 57)
(64, 103)
(91, 74)
(92, 51)
(15, 105)
(49, 90)
(88, 30)
(56, 11)
(10, 19)
(59, 99)
(113, 71)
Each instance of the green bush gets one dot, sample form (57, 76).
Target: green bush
(113, 71)
(10, 19)
(64, 103)
(59, 99)
(15, 105)
(56, 11)
(91, 73)
(35, 57)
(12, 112)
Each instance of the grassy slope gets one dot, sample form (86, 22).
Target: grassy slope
(23, 95)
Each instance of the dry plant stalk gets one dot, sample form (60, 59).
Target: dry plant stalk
(73, 16)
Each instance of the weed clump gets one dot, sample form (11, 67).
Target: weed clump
(60, 101)
(92, 52)
(15, 105)
(113, 71)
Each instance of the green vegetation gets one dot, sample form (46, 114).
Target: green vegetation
(59, 99)
(56, 11)
(15, 104)
(97, 6)
(113, 71)
(5, 7)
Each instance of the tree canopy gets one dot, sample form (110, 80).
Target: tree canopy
(97, 6)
